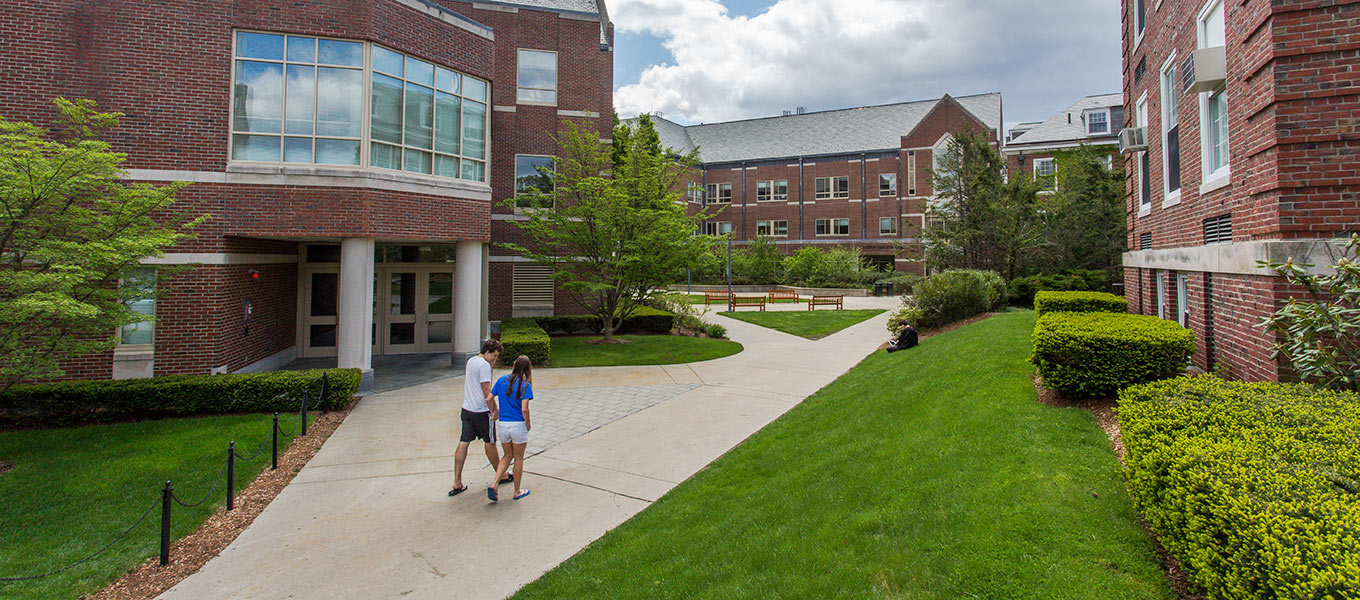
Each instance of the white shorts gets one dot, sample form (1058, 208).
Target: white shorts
(512, 431)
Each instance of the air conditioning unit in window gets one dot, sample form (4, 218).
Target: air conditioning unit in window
(1133, 139)
(1210, 65)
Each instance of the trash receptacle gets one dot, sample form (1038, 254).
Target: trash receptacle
(883, 288)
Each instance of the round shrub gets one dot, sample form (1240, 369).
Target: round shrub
(1253, 487)
(1049, 301)
(1094, 355)
(949, 296)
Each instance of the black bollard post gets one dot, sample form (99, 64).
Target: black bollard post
(325, 388)
(166, 496)
(231, 474)
(304, 411)
(274, 462)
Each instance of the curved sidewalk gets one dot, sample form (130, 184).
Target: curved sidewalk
(369, 518)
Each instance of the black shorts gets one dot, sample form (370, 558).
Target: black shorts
(476, 425)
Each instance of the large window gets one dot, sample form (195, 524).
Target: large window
(833, 227)
(887, 184)
(1139, 18)
(1046, 174)
(772, 228)
(1213, 105)
(299, 99)
(772, 190)
(887, 226)
(1171, 132)
(719, 193)
(833, 187)
(533, 174)
(694, 193)
(1144, 173)
(718, 227)
(537, 77)
(143, 282)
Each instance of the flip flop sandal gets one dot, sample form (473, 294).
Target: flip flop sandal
(508, 479)
(521, 494)
(456, 491)
(491, 494)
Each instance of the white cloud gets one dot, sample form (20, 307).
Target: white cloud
(837, 53)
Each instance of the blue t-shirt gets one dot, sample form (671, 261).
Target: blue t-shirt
(510, 398)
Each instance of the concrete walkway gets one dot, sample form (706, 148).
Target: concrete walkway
(369, 518)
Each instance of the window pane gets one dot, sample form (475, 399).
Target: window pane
(417, 161)
(440, 332)
(441, 294)
(385, 121)
(419, 71)
(297, 150)
(474, 171)
(419, 116)
(474, 130)
(445, 166)
(474, 89)
(337, 152)
(1218, 130)
(322, 336)
(300, 99)
(446, 80)
(447, 125)
(264, 148)
(142, 283)
(384, 156)
(301, 49)
(259, 45)
(258, 97)
(325, 292)
(402, 297)
(540, 96)
(340, 102)
(1213, 27)
(537, 69)
(334, 52)
(402, 334)
(1173, 158)
(530, 174)
(387, 61)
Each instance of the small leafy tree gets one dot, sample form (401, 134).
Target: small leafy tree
(72, 233)
(1321, 338)
(759, 262)
(1085, 220)
(618, 231)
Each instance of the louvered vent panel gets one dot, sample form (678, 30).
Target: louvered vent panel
(1145, 241)
(1218, 230)
(533, 285)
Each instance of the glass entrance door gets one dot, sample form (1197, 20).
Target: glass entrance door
(415, 309)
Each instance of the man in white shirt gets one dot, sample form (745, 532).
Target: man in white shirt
(479, 412)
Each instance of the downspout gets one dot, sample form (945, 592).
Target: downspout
(864, 198)
(743, 201)
(800, 199)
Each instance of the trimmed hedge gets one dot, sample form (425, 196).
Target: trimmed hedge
(1094, 355)
(1253, 487)
(569, 324)
(80, 402)
(644, 319)
(1022, 289)
(648, 320)
(524, 337)
(1051, 301)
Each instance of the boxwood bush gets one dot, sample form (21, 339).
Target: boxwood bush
(1049, 301)
(648, 320)
(1094, 355)
(80, 402)
(644, 319)
(1253, 487)
(524, 337)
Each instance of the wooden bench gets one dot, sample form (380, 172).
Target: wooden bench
(783, 295)
(836, 301)
(736, 302)
(711, 297)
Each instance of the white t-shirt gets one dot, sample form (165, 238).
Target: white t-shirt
(478, 371)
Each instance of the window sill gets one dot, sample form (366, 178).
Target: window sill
(1171, 199)
(131, 352)
(526, 103)
(1145, 209)
(1215, 181)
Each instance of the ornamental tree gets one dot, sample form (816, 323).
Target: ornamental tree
(617, 231)
(1321, 336)
(72, 232)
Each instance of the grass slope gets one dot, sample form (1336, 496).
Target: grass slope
(74, 490)
(812, 324)
(930, 473)
(641, 350)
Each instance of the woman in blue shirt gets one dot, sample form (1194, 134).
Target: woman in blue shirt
(513, 393)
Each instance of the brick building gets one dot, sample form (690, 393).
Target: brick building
(1033, 149)
(857, 177)
(352, 155)
(1244, 144)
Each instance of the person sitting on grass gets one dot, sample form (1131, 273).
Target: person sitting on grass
(513, 393)
(906, 338)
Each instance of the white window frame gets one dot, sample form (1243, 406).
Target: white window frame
(1183, 300)
(1212, 178)
(557, 74)
(1139, 24)
(365, 110)
(1086, 119)
(1168, 87)
(834, 191)
(715, 195)
(772, 228)
(1140, 159)
(1052, 177)
(892, 231)
(891, 190)
(717, 228)
(694, 193)
(1161, 294)
(776, 185)
(151, 324)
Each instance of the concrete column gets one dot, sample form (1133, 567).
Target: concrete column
(467, 301)
(485, 319)
(353, 336)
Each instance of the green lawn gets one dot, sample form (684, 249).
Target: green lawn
(641, 350)
(930, 473)
(811, 324)
(73, 490)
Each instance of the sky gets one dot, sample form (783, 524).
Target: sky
(705, 61)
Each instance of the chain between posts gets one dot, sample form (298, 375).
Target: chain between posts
(90, 557)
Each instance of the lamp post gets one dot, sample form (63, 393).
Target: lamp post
(729, 272)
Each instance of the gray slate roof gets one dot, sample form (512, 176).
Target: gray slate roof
(817, 133)
(1067, 127)
(581, 6)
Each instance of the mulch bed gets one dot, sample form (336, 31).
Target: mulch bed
(191, 552)
(1103, 411)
